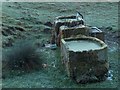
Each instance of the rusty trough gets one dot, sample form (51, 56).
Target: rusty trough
(83, 50)
(88, 58)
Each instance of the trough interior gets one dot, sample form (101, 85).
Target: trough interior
(82, 45)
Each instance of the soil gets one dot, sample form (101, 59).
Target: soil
(33, 21)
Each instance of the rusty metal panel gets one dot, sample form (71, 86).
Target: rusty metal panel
(67, 32)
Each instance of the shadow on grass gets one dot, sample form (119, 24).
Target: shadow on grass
(21, 58)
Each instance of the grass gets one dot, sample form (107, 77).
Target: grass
(54, 77)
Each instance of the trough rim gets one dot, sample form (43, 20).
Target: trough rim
(94, 39)
(60, 18)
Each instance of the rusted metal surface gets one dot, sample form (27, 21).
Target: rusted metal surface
(93, 63)
(68, 21)
(67, 26)
(67, 32)
(82, 66)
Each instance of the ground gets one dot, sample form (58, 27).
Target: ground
(30, 18)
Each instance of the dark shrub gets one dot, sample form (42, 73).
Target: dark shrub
(23, 56)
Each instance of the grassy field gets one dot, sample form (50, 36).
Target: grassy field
(33, 16)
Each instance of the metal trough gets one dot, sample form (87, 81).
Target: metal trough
(68, 21)
(84, 59)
